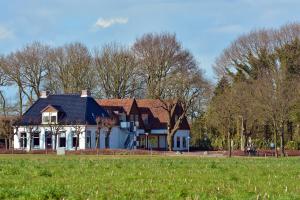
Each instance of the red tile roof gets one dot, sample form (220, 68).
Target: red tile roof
(157, 115)
(155, 106)
(116, 104)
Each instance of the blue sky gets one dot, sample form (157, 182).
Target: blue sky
(203, 27)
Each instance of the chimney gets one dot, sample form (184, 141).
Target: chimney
(85, 93)
(44, 94)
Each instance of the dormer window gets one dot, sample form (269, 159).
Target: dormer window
(49, 115)
(49, 118)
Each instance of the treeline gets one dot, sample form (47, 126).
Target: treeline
(155, 66)
(256, 103)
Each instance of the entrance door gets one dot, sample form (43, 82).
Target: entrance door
(49, 142)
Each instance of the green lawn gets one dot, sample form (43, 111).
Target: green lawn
(142, 177)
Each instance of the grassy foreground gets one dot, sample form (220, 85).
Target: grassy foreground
(142, 177)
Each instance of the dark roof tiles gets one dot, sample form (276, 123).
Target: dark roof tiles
(75, 109)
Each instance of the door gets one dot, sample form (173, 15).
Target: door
(49, 142)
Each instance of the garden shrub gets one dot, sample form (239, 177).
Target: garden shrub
(292, 145)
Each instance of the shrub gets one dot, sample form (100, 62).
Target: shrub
(292, 145)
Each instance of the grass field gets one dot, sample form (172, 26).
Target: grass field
(142, 177)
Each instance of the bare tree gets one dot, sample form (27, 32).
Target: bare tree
(56, 129)
(117, 71)
(185, 87)
(72, 67)
(31, 128)
(159, 55)
(103, 122)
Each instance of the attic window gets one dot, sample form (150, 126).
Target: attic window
(145, 119)
(49, 117)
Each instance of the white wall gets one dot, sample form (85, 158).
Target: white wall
(117, 138)
(181, 134)
(68, 133)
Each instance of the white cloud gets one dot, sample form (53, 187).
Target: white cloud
(5, 33)
(105, 23)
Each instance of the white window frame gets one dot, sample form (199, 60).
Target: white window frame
(49, 115)
(23, 138)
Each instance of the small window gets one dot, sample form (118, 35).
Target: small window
(136, 118)
(178, 142)
(131, 118)
(145, 119)
(45, 119)
(122, 117)
(184, 142)
(36, 140)
(53, 119)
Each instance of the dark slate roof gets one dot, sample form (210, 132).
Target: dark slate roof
(72, 109)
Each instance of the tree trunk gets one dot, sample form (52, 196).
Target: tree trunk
(3, 103)
(55, 141)
(6, 143)
(282, 153)
(243, 138)
(97, 140)
(30, 143)
(77, 139)
(275, 142)
(229, 144)
(20, 102)
(10, 142)
(170, 142)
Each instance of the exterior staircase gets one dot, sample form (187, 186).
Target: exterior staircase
(129, 142)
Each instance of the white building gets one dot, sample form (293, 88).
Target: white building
(60, 119)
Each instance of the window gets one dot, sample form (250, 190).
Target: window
(62, 142)
(136, 118)
(122, 117)
(88, 139)
(178, 142)
(45, 119)
(153, 141)
(53, 119)
(145, 119)
(36, 139)
(142, 141)
(23, 140)
(184, 142)
(48, 140)
(131, 118)
(74, 140)
(49, 117)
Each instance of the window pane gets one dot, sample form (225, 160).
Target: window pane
(53, 119)
(131, 118)
(153, 140)
(178, 142)
(184, 142)
(145, 119)
(62, 142)
(45, 119)
(36, 142)
(74, 142)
